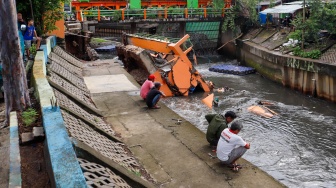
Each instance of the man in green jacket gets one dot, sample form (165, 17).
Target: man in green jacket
(217, 123)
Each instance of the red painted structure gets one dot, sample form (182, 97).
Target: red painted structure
(118, 4)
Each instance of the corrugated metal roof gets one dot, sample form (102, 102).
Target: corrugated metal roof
(282, 9)
(269, 2)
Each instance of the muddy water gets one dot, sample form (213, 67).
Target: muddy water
(298, 147)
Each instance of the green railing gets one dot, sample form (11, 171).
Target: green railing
(146, 14)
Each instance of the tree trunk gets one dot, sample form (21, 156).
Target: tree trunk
(14, 76)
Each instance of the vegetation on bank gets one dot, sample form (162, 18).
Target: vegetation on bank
(319, 16)
(44, 13)
(315, 30)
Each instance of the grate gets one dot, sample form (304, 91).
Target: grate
(96, 121)
(84, 133)
(56, 79)
(74, 79)
(97, 175)
(65, 55)
(59, 60)
(82, 98)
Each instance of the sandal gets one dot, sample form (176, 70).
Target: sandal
(234, 167)
(156, 107)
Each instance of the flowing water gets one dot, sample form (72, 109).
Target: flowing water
(297, 147)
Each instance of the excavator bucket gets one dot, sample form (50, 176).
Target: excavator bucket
(166, 58)
(208, 100)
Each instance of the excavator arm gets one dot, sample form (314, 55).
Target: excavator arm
(177, 74)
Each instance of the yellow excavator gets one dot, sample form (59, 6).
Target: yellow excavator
(166, 58)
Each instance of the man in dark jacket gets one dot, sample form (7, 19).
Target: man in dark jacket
(154, 95)
(217, 123)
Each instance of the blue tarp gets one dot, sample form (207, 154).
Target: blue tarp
(108, 48)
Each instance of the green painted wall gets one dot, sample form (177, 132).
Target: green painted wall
(192, 3)
(210, 29)
(135, 4)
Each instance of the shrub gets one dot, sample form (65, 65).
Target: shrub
(313, 54)
(29, 116)
(296, 35)
(33, 49)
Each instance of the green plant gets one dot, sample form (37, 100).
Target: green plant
(33, 49)
(45, 13)
(98, 40)
(29, 116)
(313, 54)
(242, 9)
(296, 35)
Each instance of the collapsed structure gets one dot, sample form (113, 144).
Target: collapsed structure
(164, 57)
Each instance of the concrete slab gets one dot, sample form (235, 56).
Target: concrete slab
(38, 132)
(109, 83)
(174, 155)
(26, 138)
(15, 159)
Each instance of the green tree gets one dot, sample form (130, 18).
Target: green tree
(245, 9)
(322, 17)
(13, 72)
(44, 12)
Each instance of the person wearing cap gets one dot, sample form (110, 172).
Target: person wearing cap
(231, 147)
(154, 96)
(217, 123)
(146, 86)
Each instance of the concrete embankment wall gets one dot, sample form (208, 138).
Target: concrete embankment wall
(306, 75)
(63, 167)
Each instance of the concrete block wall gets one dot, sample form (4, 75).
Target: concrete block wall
(14, 159)
(63, 167)
(305, 75)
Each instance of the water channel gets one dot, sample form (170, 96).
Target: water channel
(297, 147)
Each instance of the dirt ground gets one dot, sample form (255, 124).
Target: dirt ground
(4, 149)
(33, 166)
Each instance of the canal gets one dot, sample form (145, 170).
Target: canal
(297, 147)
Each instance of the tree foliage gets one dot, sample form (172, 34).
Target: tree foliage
(242, 9)
(322, 17)
(45, 13)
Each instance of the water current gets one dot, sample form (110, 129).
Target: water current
(297, 147)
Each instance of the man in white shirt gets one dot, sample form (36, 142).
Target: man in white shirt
(231, 146)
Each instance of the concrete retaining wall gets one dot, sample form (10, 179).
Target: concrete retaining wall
(63, 167)
(305, 75)
(14, 159)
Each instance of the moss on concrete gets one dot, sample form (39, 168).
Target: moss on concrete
(272, 74)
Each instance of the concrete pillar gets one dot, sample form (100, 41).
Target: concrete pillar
(133, 27)
(308, 87)
(314, 94)
(332, 89)
(183, 27)
(322, 86)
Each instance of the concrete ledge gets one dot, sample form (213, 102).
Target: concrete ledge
(42, 62)
(63, 161)
(44, 48)
(64, 169)
(43, 91)
(305, 75)
(14, 160)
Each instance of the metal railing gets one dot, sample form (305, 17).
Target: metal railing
(148, 14)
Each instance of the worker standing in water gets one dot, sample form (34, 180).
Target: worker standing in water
(217, 123)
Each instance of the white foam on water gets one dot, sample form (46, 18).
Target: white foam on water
(297, 147)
